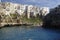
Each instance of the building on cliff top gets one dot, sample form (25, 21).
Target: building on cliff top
(31, 11)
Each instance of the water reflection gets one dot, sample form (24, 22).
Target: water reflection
(21, 33)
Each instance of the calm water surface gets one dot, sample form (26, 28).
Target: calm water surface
(21, 33)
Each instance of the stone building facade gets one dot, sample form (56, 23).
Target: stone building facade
(29, 10)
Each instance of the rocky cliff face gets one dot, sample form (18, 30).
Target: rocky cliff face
(52, 20)
(18, 13)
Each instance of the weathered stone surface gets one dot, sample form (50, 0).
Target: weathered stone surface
(52, 20)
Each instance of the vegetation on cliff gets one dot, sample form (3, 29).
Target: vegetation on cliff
(16, 18)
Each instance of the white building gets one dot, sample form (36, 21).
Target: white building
(32, 11)
(12, 8)
(29, 10)
(20, 9)
(45, 11)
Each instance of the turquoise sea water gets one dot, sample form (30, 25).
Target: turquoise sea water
(22, 33)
